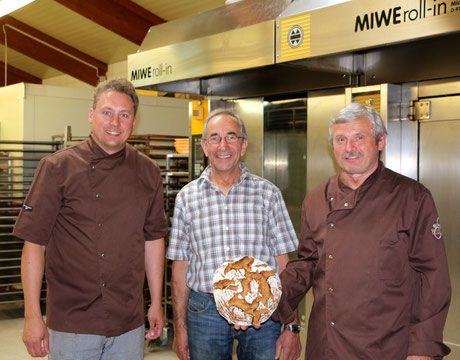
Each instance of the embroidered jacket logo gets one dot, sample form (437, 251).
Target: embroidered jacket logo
(436, 231)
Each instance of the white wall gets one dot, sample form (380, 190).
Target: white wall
(67, 81)
(11, 112)
(47, 110)
(156, 115)
(162, 116)
(119, 69)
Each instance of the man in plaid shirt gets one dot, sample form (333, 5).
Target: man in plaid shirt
(224, 214)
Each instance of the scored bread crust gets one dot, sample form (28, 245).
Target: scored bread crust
(246, 291)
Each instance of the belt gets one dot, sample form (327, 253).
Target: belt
(201, 292)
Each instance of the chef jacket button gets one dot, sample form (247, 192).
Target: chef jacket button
(331, 289)
(92, 166)
(104, 285)
(331, 257)
(102, 255)
(331, 224)
(332, 323)
(100, 225)
(331, 199)
(98, 196)
(346, 204)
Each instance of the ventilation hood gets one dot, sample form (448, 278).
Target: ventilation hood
(253, 47)
(230, 38)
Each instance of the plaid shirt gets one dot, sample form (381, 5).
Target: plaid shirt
(210, 228)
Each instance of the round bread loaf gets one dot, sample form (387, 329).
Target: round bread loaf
(246, 291)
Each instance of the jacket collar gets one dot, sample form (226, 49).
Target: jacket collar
(351, 197)
(100, 154)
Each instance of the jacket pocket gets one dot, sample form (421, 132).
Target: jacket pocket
(393, 259)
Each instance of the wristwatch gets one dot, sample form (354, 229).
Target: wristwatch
(295, 328)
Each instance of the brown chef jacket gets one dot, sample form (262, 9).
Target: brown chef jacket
(376, 260)
(94, 212)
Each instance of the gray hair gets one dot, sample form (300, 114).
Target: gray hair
(353, 112)
(230, 113)
(120, 85)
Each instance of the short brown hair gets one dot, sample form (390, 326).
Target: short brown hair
(121, 85)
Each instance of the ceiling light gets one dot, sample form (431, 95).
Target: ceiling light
(7, 6)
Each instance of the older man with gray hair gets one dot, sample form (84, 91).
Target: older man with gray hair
(372, 249)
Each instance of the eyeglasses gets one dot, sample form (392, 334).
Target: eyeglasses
(229, 139)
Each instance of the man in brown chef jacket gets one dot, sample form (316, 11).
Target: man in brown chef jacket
(95, 210)
(371, 247)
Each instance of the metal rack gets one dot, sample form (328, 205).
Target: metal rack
(18, 162)
(176, 174)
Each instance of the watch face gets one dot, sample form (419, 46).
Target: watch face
(294, 328)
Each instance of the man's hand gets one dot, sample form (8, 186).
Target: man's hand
(180, 294)
(244, 328)
(417, 357)
(180, 344)
(288, 345)
(36, 337)
(35, 334)
(156, 321)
